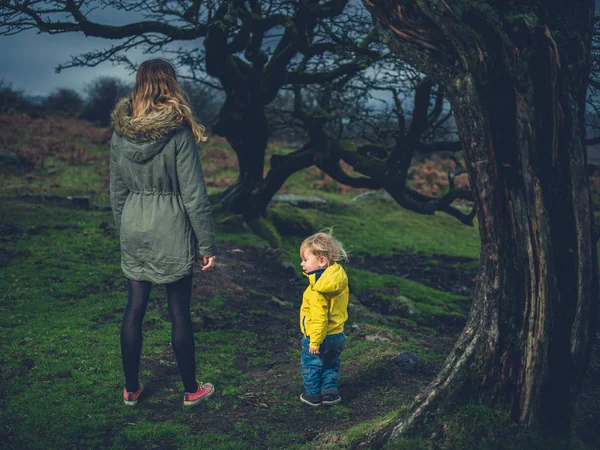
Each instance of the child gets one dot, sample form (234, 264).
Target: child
(161, 210)
(322, 316)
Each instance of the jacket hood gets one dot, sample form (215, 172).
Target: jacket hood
(148, 133)
(331, 282)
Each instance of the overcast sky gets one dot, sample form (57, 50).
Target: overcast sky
(28, 60)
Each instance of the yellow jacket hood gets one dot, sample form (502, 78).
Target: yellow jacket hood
(331, 282)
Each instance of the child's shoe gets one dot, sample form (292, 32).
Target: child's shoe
(204, 391)
(131, 398)
(312, 400)
(331, 399)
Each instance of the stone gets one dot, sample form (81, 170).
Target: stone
(402, 306)
(79, 201)
(376, 337)
(10, 160)
(299, 200)
(408, 362)
(369, 195)
(357, 326)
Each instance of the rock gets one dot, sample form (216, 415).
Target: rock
(300, 201)
(76, 201)
(10, 160)
(165, 363)
(402, 306)
(376, 337)
(79, 202)
(374, 194)
(408, 362)
(106, 226)
(357, 327)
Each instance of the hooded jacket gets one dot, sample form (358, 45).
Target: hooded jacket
(324, 307)
(158, 196)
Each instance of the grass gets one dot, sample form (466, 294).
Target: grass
(62, 295)
(62, 299)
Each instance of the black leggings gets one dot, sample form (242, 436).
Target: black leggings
(182, 337)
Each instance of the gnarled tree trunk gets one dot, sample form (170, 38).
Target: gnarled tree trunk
(516, 76)
(246, 128)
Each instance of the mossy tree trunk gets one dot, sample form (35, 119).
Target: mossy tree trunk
(515, 74)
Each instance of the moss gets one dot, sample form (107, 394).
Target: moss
(347, 145)
(358, 433)
(291, 221)
(479, 426)
(263, 228)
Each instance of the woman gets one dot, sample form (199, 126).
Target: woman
(161, 210)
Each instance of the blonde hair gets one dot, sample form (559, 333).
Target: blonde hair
(156, 88)
(324, 245)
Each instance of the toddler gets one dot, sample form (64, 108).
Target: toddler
(322, 316)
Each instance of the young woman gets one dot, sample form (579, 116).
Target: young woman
(161, 210)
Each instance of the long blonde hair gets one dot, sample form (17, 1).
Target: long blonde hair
(156, 88)
(324, 245)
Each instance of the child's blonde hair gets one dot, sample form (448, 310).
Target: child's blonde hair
(324, 245)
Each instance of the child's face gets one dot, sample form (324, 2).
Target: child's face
(310, 262)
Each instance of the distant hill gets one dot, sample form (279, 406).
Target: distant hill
(36, 99)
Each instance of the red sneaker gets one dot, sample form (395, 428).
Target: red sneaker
(131, 398)
(204, 391)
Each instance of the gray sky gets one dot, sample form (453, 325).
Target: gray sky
(29, 59)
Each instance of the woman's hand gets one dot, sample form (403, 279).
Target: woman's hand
(209, 262)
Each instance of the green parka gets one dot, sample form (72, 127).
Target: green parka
(158, 196)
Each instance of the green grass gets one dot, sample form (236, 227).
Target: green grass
(381, 228)
(62, 298)
(62, 294)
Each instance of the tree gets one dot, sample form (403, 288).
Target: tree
(340, 113)
(516, 76)
(12, 100)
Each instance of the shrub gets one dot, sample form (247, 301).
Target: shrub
(12, 101)
(64, 101)
(102, 96)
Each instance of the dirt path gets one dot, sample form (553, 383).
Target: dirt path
(262, 294)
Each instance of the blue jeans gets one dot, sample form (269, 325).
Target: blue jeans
(321, 372)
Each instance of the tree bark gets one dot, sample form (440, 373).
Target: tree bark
(246, 129)
(516, 77)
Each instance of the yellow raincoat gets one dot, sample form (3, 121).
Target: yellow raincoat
(324, 307)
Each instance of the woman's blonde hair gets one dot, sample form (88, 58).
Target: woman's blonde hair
(156, 88)
(324, 245)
